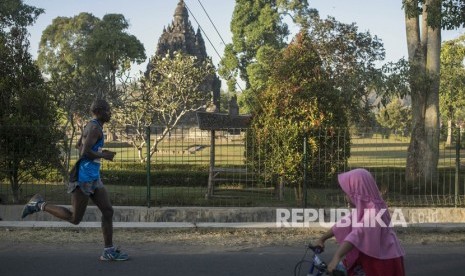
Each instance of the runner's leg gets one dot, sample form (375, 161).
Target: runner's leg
(102, 201)
(79, 202)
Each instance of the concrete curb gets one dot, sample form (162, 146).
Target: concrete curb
(184, 225)
(447, 219)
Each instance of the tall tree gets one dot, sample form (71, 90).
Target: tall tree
(424, 21)
(61, 58)
(96, 53)
(28, 126)
(452, 89)
(111, 51)
(85, 57)
(351, 57)
(255, 24)
(300, 100)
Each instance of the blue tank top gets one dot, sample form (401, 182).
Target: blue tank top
(89, 170)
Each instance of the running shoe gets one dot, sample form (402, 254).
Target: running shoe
(33, 206)
(113, 254)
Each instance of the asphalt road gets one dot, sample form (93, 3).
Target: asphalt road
(21, 259)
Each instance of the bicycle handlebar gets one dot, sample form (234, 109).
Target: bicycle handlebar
(318, 250)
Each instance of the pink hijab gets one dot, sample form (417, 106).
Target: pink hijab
(375, 241)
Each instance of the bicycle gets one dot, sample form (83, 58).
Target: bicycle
(317, 266)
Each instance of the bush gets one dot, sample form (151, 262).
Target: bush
(135, 174)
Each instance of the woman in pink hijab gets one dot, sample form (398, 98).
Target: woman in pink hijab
(372, 247)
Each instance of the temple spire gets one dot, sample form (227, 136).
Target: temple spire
(180, 14)
(179, 36)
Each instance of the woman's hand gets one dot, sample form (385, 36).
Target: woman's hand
(320, 242)
(341, 251)
(333, 264)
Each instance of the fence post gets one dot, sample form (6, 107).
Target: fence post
(211, 182)
(305, 170)
(457, 167)
(148, 167)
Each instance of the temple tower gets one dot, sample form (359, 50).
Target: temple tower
(180, 36)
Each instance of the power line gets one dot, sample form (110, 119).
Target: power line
(213, 24)
(205, 34)
(201, 29)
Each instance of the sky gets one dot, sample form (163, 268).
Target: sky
(383, 18)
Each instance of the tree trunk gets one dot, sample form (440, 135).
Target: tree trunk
(449, 133)
(278, 187)
(14, 181)
(424, 56)
(433, 61)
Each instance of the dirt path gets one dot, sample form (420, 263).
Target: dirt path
(207, 237)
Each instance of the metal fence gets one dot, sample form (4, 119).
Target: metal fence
(182, 172)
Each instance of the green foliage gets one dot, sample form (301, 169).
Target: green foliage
(28, 126)
(61, 57)
(255, 24)
(110, 51)
(395, 117)
(122, 174)
(452, 88)
(15, 14)
(350, 58)
(157, 178)
(299, 102)
(446, 14)
(85, 57)
(259, 32)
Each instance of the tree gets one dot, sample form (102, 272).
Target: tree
(452, 80)
(395, 117)
(255, 24)
(111, 51)
(351, 57)
(172, 89)
(61, 55)
(424, 48)
(134, 117)
(259, 33)
(300, 100)
(85, 58)
(92, 49)
(28, 126)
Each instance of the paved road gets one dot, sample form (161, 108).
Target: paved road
(21, 259)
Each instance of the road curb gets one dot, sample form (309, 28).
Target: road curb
(234, 225)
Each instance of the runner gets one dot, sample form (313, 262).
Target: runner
(85, 183)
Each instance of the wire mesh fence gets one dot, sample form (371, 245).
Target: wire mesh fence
(180, 170)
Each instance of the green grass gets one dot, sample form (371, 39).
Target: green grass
(175, 152)
(392, 152)
(365, 152)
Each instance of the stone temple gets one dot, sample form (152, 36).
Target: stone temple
(180, 36)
